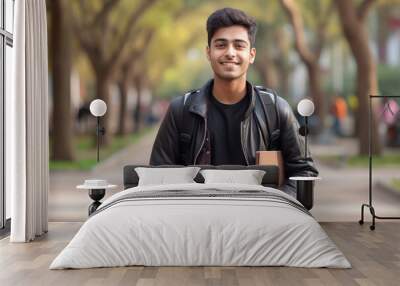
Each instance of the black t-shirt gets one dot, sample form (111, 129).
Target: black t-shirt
(223, 122)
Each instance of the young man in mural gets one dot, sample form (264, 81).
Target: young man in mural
(229, 119)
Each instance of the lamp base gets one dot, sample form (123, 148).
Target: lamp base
(305, 193)
(96, 195)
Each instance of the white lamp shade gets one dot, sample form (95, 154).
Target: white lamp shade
(98, 107)
(305, 107)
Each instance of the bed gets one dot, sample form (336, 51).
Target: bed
(201, 224)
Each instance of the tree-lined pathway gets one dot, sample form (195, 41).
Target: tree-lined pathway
(338, 196)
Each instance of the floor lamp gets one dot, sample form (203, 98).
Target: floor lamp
(98, 108)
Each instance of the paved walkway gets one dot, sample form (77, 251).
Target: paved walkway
(342, 190)
(338, 196)
(66, 203)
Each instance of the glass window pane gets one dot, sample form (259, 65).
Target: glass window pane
(1, 14)
(9, 15)
(8, 88)
(2, 205)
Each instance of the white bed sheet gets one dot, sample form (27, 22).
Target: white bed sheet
(200, 231)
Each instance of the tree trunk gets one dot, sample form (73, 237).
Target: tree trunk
(283, 72)
(310, 59)
(123, 88)
(357, 38)
(266, 68)
(281, 62)
(62, 148)
(383, 32)
(137, 111)
(314, 85)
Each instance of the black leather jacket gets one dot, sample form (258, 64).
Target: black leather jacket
(183, 136)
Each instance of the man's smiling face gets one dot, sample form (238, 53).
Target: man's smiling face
(230, 53)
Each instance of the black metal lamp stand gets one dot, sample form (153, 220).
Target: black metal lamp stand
(305, 193)
(97, 194)
(305, 188)
(305, 136)
(99, 131)
(369, 205)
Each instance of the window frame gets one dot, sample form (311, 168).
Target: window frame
(6, 39)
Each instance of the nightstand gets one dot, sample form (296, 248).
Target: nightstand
(305, 190)
(97, 190)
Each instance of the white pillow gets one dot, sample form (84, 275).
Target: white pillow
(162, 176)
(248, 177)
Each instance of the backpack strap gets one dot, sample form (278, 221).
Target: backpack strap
(271, 123)
(185, 124)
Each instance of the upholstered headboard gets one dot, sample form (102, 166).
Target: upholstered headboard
(270, 178)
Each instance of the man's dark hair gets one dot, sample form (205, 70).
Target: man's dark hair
(227, 17)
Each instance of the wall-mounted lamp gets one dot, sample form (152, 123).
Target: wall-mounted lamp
(98, 108)
(305, 108)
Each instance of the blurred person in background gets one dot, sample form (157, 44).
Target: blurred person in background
(339, 114)
(389, 112)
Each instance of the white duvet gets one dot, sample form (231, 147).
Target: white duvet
(182, 231)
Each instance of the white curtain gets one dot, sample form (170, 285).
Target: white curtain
(27, 145)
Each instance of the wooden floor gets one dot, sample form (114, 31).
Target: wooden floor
(374, 255)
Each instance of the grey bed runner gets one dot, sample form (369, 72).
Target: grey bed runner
(206, 194)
